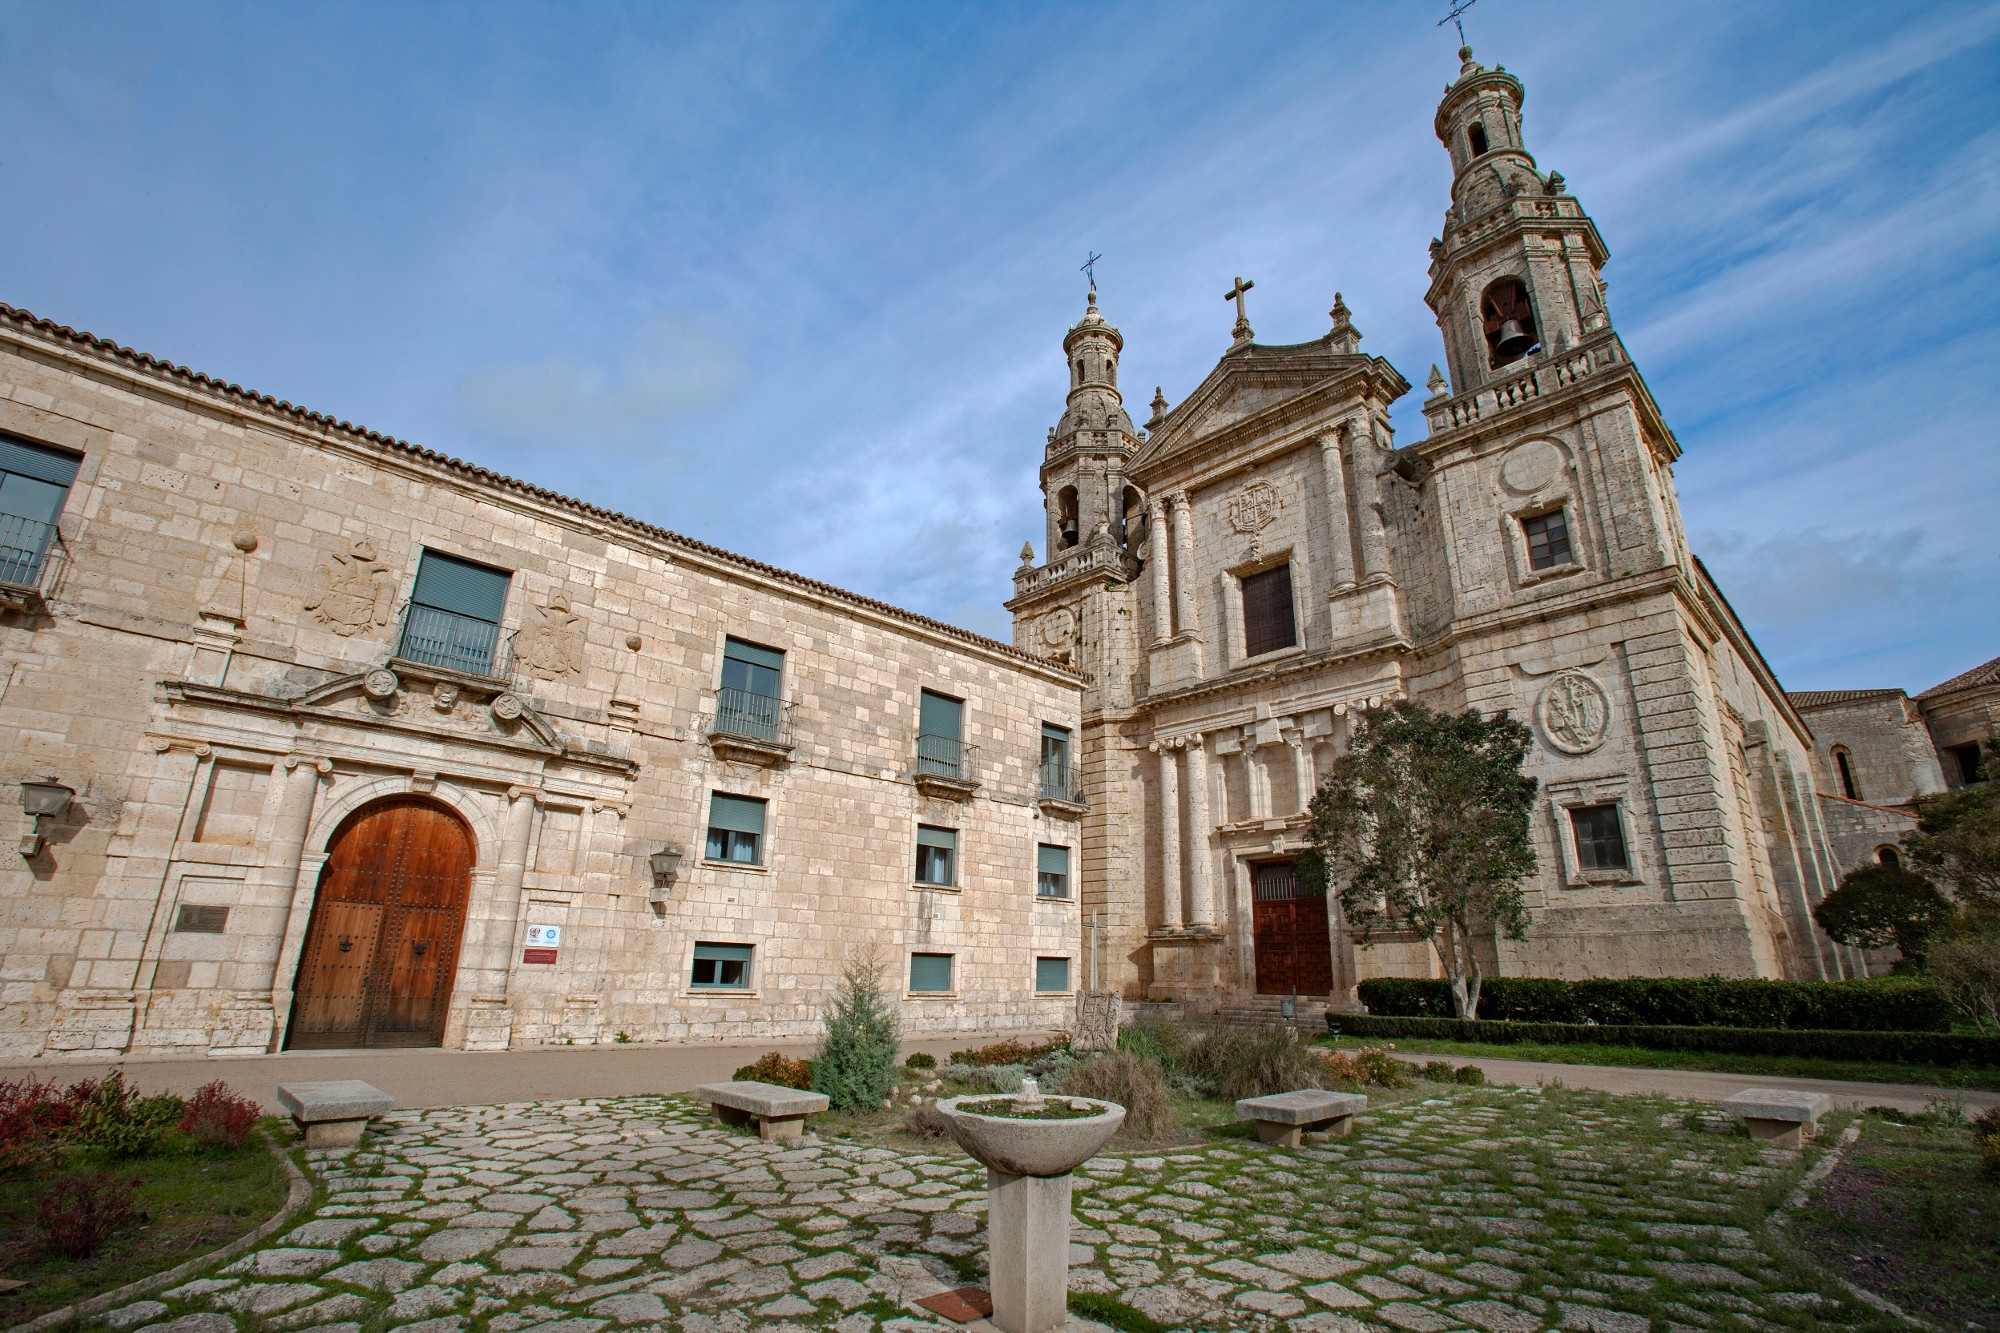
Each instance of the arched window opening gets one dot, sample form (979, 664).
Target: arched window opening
(1131, 519)
(1509, 321)
(1477, 136)
(1066, 516)
(1889, 857)
(1845, 768)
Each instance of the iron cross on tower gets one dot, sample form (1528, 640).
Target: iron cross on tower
(1242, 330)
(1090, 268)
(1457, 18)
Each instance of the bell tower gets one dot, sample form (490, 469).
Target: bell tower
(1517, 272)
(1083, 472)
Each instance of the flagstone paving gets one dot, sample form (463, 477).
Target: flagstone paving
(1500, 1211)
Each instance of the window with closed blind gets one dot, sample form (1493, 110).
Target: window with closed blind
(1051, 871)
(1051, 975)
(735, 829)
(930, 973)
(1268, 623)
(34, 482)
(940, 735)
(720, 967)
(747, 701)
(937, 856)
(454, 616)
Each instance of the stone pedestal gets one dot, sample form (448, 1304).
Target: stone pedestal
(1364, 616)
(1027, 1230)
(1187, 965)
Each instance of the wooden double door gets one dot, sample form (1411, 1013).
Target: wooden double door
(1293, 942)
(381, 950)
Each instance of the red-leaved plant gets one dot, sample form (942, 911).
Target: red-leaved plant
(34, 1116)
(78, 1214)
(218, 1118)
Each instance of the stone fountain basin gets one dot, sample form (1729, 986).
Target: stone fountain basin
(1031, 1147)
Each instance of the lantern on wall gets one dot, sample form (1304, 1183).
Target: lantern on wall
(46, 799)
(666, 864)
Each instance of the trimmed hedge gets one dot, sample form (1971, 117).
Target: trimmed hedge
(1917, 1048)
(1895, 1004)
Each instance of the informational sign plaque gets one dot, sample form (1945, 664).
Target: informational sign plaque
(543, 941)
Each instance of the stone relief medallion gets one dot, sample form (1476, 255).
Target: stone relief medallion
(1058, 627)
(551, 643)
(380, 683)
(1253, 509)
(352, 592)
(1531, 466)
(507, 707)
(1575, 712)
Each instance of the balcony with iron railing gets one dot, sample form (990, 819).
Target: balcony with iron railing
(448, 641)
(750, 726)
(30, 554)
(1061, 785)
(946, 767)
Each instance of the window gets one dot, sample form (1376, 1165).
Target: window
(454, 616)
(1508, 319)
(735, 828)
(1548, 540)
(1889, 857)
(940, 731)
(930, 973)
(1055, 763)
(937, 851)
(1051, 871)
(1477, 137)
(1846, 771)
(1267, 612)
(1600, 837)
(747, 704)
(1051, 974)
(1967, 758)
(1276, 881)
(1067, 531)
(34, 482)
(194, 920)
(720, 967)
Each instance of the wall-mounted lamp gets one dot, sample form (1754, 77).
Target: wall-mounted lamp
(39, 800)
(666, 863)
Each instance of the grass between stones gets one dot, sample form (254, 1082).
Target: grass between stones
(1908, 1215)
(1637, 1057)
(193, 1201)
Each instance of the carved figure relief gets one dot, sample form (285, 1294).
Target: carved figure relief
(551, 643)
(1253, 509)
(1575, 712)
(352, 592)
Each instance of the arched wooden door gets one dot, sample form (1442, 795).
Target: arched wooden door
(381, 950)
(1294, 947)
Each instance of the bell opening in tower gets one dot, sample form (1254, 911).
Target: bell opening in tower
(1066, 520)
(1508, 319)
(1476, 136)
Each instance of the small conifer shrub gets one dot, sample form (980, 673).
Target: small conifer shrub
(856, 1063)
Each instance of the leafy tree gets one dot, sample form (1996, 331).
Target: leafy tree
(1879, 905)
(1957, 841)
(856, 1063)
(1966, 966)
(1423, 825)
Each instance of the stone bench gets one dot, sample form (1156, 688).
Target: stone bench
(1778, 1115)
(779, 1113)
(1285, 1118)
(332, 1113)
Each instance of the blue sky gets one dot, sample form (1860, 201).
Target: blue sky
(792, 278)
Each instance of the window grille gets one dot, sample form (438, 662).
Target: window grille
(454, 616)
(747, 702)
(1600, 837)
(1276, 881)
(1267, 612)
(940, 735)
(1548, 540)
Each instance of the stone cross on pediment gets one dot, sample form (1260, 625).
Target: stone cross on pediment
(1242, 332)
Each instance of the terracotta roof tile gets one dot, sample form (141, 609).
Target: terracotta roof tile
(1987, 673)
(48, 328)
(1821, 698)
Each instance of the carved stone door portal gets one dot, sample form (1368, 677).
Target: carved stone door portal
(381, 950)
(1294, 946)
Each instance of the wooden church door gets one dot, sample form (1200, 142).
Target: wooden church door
(381, 950)
(1294, 949)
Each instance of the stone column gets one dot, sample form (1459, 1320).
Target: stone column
(1163, 605)
(1257, 778)
(1170, 838)
(509, 872)
(1201, 833)
(1367, 457)
(1027, 1229)
(1302, 769)
(288, 846)
(1183, 523)
(1340, 519)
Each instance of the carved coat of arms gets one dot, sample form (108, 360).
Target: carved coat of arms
(352, 592)
(1253, 509)
(1575, 712)
(551, 643)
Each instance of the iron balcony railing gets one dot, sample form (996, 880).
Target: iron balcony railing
(1060, 782)
(25, 546)
(943, 757)
(750, 716)
(450, 641)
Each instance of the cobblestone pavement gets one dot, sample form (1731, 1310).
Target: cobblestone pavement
(1495, 1210)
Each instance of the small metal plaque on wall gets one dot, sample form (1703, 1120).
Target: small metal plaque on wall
(543, 941)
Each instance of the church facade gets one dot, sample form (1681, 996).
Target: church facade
(1262, 565)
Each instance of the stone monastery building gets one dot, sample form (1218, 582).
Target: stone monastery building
(327, 740)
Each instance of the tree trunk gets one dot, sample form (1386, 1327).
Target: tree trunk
(1445, 942)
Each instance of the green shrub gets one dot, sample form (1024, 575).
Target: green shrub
(1382, 1070)
(1135, 1083)
(1009, 1052)
(117, 1119)
(856, 1063)
(1896, 1004)
(1439, 1071)
(1472, 1076)
(919, 1060)
(778, 1069)
(1920, 1048)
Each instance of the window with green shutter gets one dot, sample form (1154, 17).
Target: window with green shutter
(937, 855)
(735, 828)
(747, 704)
(940, 734)
(34, 482)
(1056, 785)
(930, 973)
(1051, 974)
(720, 967)
(1051, 871)
(454, 615)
